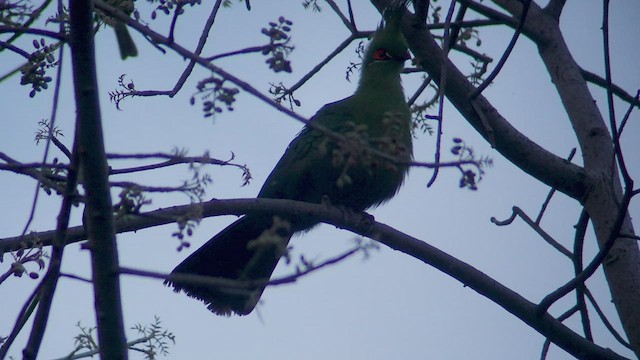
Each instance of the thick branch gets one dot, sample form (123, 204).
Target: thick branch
(515, 146)
(365, 226)
(622, 266)
(94, 169)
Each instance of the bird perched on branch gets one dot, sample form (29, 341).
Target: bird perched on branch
(317, 167)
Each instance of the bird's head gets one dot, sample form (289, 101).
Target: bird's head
(388, 46)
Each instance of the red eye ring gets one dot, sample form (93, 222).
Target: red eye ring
(380, 55)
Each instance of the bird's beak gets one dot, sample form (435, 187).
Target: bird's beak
(406, 56)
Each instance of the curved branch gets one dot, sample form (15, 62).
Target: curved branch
(617, 90)
(515, 146)
(600, 151)
(365, 225)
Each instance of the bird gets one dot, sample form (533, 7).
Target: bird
(318, 168)
(126, 44)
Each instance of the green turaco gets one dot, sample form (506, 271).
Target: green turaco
(318, 168)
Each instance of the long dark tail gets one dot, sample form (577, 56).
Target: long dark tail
(248, 249)
(125, 41)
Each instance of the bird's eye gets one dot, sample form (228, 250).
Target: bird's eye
(380, 55)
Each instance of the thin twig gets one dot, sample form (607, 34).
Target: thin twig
(516, 211)
(49, 281)
(466, 23)
(547, 343)
(348, 24)
(490, 12)
(473, 53)
(112, 11)
(76, 277)
(171, 160)
(352, 19)
(19, 167)
(505, 55)
(23, 316)
(174, 20)
(595, 263)
(19, 30)
(15, 49)
(248, 50)
(48, 180)
(96, 351)
(50, 138)
(327, 59)
(26, 26)
(617, 90)
(623, 123)
(419, 91)
(552, 191)
(606, 321)
(441, 90)
(218, 282)
(578, 245)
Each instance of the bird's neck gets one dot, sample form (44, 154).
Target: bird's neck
(380, 82)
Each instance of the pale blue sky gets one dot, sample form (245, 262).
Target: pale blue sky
(389, 306)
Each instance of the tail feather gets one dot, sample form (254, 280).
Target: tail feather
(125, 42)
(248, 249)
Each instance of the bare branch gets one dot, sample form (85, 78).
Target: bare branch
(529, 156)
(19, 30)
(507, 52)
(33, 16)
(112, 11)
(595, 262)
(613, 126)
(617, 90)
(627, 115)
(547, 343)
(23, 316)
(572, 153)
(320, 65)
(174, 159)
(449, 39)
(578, 242)
(365, 226)
(606, 321)
(536, 227)
(347, 23)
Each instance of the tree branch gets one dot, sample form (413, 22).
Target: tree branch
(617, 90)
(93, 164)
(600, 153)
(364, 225)
(520, 150)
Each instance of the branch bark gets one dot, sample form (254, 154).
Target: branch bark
(602, 202)
(512, 144)
(597, 185)
(93, 166)
(365, 225)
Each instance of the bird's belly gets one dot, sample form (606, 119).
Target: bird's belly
(358, 185)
